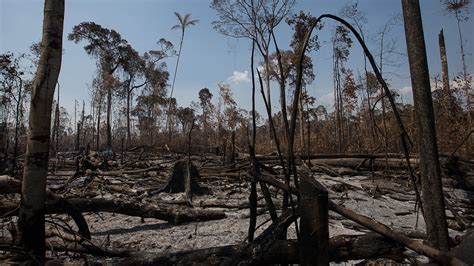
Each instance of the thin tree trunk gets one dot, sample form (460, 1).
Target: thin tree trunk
(109, 117)
(57, 123)
(17, 126)
(3, 135)
(384, 117)
(467, 88)
(444, 71)
(78, 136)
(168, 121)
(129, 138)
(301, 118)
(253, 181)
(99, 108)
(31, 214)
(432, 190)
(82, 122)
(267, 80)
(284, 119)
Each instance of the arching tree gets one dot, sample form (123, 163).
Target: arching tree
(31, 221)
(437, 232)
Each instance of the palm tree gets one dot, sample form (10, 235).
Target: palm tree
(184, 22)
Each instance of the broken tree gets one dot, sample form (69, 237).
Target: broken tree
(184, 173)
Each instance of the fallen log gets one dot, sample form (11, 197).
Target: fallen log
(386, 231)
(9, 185)
(361, 163)
(172, 213)
(129, 172)
(341, 248)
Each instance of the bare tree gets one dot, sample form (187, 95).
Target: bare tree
(255, 20)
(432, 190)
(31, 215)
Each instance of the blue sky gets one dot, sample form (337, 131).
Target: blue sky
(209, 57)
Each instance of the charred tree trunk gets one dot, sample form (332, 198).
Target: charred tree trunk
(78, 136)
(129, 138)
(301, 126)
(17, 127)
(3, 144)
(97, 136)
(82, 123)
(444, 71)
(432, 190)
(57, 113)
(253, 184)
(31, 213)
(109, 118)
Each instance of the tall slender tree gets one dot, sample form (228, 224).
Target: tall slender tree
(183, 23)
(31, 215)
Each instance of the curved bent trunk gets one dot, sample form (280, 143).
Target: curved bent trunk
(31, 216)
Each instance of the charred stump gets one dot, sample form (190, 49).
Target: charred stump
(182, 171)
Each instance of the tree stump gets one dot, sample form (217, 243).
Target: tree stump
(182, 171)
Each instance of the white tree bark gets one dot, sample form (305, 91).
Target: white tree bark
(31, 216)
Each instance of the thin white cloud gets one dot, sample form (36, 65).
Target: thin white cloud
(405, 91)
(239, 77)
(327, 100)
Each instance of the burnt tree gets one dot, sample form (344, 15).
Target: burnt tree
(432, 190)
